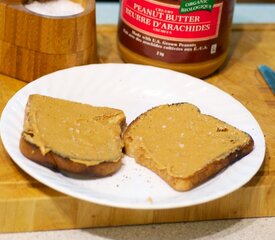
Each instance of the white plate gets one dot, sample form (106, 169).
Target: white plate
(134, 89)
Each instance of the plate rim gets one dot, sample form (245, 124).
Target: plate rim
(107, 202)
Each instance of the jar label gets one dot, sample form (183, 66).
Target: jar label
(158, 30)
(195, 5)
(166, 21)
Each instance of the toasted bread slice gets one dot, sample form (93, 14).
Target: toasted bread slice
(183, 146)
(72, 137)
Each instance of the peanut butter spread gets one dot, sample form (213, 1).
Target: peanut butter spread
(80, 132)
(188, 36)
(182, 140)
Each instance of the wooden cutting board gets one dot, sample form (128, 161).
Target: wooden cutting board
(27, 205)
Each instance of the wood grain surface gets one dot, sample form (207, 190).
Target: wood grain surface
(27, 205)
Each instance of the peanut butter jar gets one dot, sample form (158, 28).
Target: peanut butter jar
(190, 36)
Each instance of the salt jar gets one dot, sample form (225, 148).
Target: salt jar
(37, 38)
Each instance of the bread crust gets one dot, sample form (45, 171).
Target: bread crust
(113, 119)
(65, 165)
(142, 156)
(184, 184)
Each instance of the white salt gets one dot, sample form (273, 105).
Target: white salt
(55, 8)
(181, 145)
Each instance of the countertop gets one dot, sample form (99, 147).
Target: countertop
(244, 229)
(253, 228)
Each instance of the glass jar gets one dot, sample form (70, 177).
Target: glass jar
(190, 36)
